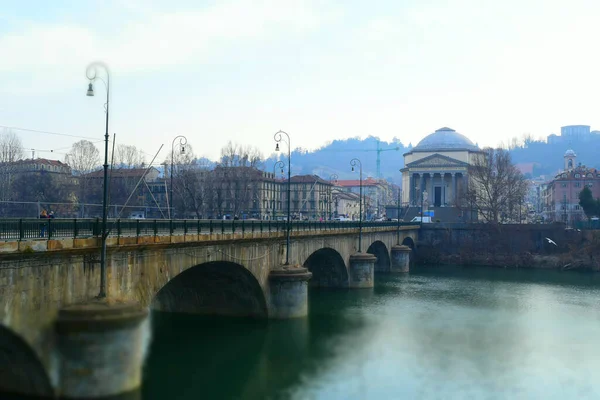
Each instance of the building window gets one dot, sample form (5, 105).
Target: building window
(577, 184)
(563, 184)
(589, 184)
(577, 176)
(577, 206)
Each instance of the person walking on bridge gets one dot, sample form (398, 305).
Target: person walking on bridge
(43, 215)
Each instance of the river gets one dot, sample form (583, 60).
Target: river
(438, 332)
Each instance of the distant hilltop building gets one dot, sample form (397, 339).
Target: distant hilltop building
(560, 196)
(572, 134)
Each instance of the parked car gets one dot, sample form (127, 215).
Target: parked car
(425, 220)
(137, 215)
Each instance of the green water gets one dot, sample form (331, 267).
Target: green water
(451, 333)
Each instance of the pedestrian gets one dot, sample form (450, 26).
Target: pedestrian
(43, 215)
(50, 228)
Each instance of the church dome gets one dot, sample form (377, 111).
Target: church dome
(570, 153)
(445, 139)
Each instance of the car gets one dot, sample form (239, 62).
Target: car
(341, 219)
(425, 220)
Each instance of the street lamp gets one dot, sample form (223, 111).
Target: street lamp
(280, 165)
(182, 143)
(333, 178)
(398, 219)
(423, 197)
(92, 74)
(279, 138)
(353, 163)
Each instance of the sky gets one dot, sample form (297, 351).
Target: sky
(240, 70)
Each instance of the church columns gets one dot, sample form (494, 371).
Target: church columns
(431, 195)
(421, 188)
(454, 193)
(411, 188)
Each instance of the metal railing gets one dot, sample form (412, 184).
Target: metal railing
(23, 229)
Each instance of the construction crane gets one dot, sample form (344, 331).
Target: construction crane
(379, 150)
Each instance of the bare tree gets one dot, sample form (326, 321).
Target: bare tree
(83, 158)
(496, 186)
(11, 150)
(11, 147)
(127, 156)
(237, 155)
(237, 174)
(187, 182)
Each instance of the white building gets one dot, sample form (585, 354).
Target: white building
(438, 166)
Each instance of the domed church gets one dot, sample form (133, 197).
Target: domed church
(437, 169)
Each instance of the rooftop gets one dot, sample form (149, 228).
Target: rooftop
(445, 139)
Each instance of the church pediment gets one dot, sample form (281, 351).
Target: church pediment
(437, 161)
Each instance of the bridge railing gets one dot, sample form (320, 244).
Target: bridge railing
(58, 228)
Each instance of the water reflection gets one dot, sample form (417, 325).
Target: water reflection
(224, 358)
(436, 333)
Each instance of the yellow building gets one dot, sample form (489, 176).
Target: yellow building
(436, 170)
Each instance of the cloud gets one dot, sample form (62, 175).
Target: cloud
(150, 39)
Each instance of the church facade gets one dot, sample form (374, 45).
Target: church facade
(436, 170)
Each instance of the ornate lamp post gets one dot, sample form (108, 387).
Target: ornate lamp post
(333, 178)
(280, 165)
(279, 138)
(182, 143)
(398, 219)
(353, 163)
(423, 198)
(92, 74)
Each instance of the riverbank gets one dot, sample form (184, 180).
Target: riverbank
(575, 260)
(510, 246)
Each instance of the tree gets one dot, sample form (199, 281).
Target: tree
(41, 187)
(496, 187)
(11, 150)
(187, 183)
(590, 207)
(236, 155)
(126, 156)
(237, 174)
(83, 158)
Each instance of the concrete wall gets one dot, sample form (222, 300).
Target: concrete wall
(487, 244)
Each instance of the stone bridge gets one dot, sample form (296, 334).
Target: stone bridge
(44, 342)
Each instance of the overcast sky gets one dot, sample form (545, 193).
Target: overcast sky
(321, 70)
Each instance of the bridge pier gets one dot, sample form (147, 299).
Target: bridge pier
(361, 270)
(400, 258)
(101, 349)
(288, 292)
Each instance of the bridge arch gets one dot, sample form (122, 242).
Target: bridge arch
(20, 369)
(380, 250)
(328, 269)
(408, 241)
(213, 288)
